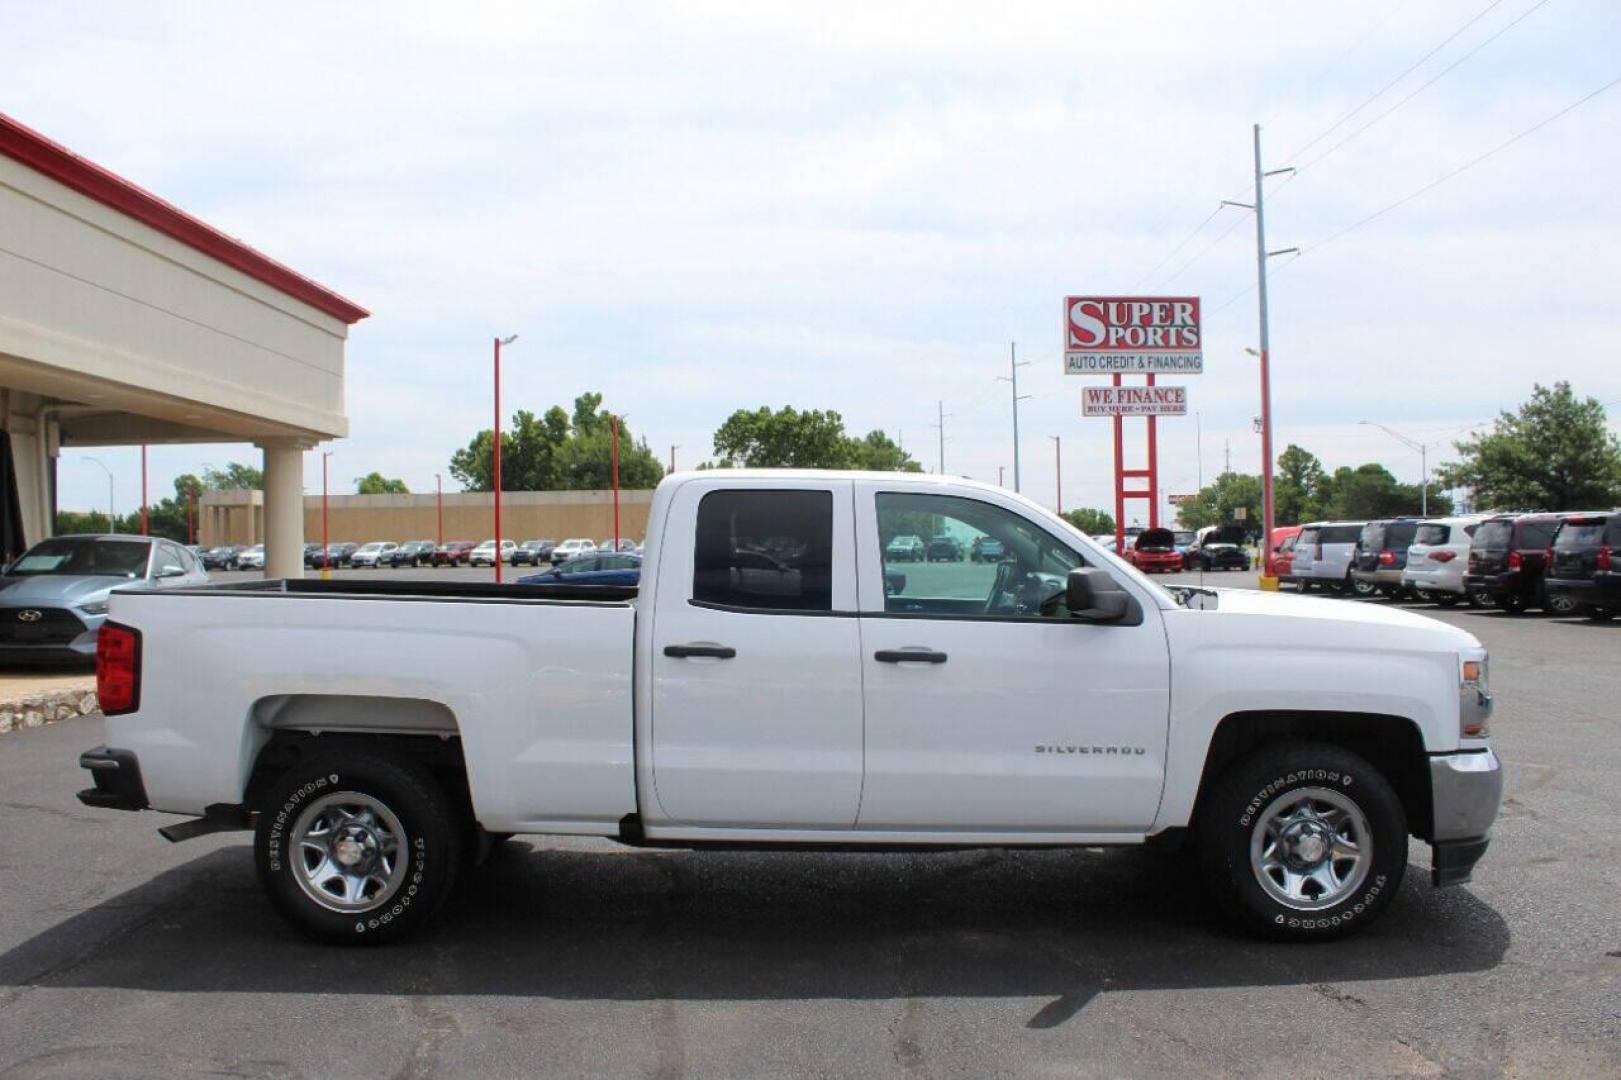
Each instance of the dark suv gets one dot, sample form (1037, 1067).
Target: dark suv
(1584, 573)
(1507, 559)
(945, 549)
(1381, 556)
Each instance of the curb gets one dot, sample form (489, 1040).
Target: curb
(37, 710)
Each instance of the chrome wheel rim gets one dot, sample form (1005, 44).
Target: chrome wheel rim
(1311, 848)
(351, 852)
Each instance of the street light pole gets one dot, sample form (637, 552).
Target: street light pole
(110, 519)
(495, 450)
(1423, 463)
(326, 542)
(673, 449)
(613, 427)
(1058, 460)
(143, 489)
(1013, 377)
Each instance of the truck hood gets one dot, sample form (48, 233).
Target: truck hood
(1310, 618)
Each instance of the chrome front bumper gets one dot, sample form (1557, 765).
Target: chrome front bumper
(1465, 791)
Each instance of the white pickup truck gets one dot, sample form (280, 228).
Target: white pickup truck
(774, 682)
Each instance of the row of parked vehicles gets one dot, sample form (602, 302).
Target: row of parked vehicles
(1171, 551)
(1563, 563)
(944, 549)
(419, 553)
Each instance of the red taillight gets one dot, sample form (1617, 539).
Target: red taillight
(1443, 555)
(1547, 559)
(118, 668)
(1387, 558)
(1604, 558)
(1514, 560)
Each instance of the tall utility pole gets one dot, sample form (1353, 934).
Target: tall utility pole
(1261, 255)
(1058, 460)
(673, 449)
(1000, 469)
(942, 427)
(1013, 377)
(495, 451)
(1227, 453)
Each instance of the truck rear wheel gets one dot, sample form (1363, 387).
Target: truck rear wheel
(1303, 842)
(357, 848)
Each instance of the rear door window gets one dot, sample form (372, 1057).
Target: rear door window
(1494, 535)
(1432, 534)
(1340, 534)
(765, 550)
(1373, 536)
(1537, 534)
(1307, 538)
(1579, 536)
(1399, 535)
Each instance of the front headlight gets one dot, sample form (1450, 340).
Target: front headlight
(98, 607)
(1474, 700)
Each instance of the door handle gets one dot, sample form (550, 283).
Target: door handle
(909, 656)
(719, 652)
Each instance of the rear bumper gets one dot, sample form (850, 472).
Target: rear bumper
(118, 780)
(1388, 576)
(1466, 791)
(1434, 579)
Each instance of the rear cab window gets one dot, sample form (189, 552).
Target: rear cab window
(764, 550)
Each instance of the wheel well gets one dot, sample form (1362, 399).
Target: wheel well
(440, 754)
(1392, 744)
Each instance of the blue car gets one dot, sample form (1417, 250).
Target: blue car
(53, 599)
(593, 568)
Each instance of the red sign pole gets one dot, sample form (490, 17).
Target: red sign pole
(1119, 481)
(496, 451)
(1153, 467)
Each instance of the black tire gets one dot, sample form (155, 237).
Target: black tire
(1362, 590)
(1446, 599)
(430, 835)
(1559, 604)
(1245, 797)
(1513, 603)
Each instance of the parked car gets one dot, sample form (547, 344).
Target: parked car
(907, 548)
(987, 549)
(54, 597)
(222, 557)
(251, 558)
(1508, 558)
(945, 549)
(1295, 777)
(1220, 547)
(569, 548)
(1184, 545)
(453, 553)
(484, 554)
(597, 568)
(1381, 556)
(625, 544)
(412, 553)
(1585, 574)
(1322, 556)
(1154, 551)
(1437, 559)
(1282, 556)
(312, 556)
(375, 554)
(533, 552)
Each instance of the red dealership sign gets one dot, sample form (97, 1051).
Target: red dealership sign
(1134, 401)
(1142, 335)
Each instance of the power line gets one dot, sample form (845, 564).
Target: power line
(1431, 81)
(1414, 66)
(1197, 229)
(1465, 167)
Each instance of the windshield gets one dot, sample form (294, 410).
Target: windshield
(1432, 534)
(1580, 535)
(1494, 535)
(85, 557)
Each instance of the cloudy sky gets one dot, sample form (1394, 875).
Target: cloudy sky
(704, 206)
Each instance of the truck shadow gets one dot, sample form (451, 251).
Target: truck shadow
(592, 921)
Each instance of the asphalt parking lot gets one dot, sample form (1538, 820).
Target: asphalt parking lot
(123, 955)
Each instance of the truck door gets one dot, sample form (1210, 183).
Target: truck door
(755, 655)
(988, 708)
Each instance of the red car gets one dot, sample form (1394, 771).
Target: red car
(1154, 550)
(1281, 560)
(452, 553)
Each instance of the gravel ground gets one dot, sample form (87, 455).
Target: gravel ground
(122, 955)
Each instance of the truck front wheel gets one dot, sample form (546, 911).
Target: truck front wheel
(357, 848)
(1303, 842)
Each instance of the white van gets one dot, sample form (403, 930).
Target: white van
(1323, 552)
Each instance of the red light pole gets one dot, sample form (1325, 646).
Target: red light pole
(495, 451)
(613, 426)
(439, 504)
(143, 489)
(326, 545)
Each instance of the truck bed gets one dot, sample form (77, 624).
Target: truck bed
(393, 588)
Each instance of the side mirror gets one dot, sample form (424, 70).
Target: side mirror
(171, 571)
(1092, 594)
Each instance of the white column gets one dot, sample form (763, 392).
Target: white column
(284, 509)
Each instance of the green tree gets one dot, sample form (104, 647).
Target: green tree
(558, 451)
(1089, 521)
(784, 439)
(1555, 453)
(1370, 491)
(234, 477)
(877, 452)
(1297, 487)
(375, 483)
(1218, 503)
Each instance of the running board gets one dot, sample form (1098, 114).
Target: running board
(221, 817)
